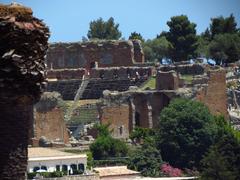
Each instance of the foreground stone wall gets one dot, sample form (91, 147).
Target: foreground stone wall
(23, 45)
(106, 53)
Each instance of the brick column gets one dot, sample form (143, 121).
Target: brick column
(23, 46)
(15, 122)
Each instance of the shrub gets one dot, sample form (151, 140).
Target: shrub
(105, 147)
(186, 130)
(170, 171)
(146, 159)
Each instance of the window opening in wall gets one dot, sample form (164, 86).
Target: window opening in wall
(36, 168)
(137, 119)
(115, 75)
(121, 130)
(57, 167)
(64, 167)
(44, 168)
(101, 74)
(81, 167)
(94, 64)
(73, 166)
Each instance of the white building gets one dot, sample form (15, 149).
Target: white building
(50, 160)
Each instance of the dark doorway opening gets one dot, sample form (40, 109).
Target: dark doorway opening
(137, 119)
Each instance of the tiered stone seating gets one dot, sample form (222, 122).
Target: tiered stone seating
(94, 89)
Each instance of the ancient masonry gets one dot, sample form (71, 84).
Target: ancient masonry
(126, 110)
(49, 122)
(23, 45)
(92, 54)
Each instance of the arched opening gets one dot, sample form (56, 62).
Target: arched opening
(93, 65)
(81, 167)
(57, 167)
(73, 166)
(44, 168)
(36, 168)
(137, 119)
(64, 167)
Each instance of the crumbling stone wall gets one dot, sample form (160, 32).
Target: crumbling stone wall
(117, 78)
(191, 69)
(138, 51)
(66, 73)
(51, 125)
(167, 80)
(106, 53)
(49, 119)
(133, 109)
(23, 45)
(102, 73)
(214, 94)
(118, 117)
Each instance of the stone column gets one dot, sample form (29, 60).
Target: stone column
(150, 120)
(133, 113)
(23, 45)
(15, 122)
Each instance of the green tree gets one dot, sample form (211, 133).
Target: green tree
(203, 47)
(223, 159)
(146, 159)
(186, 130)
(220, 25)
(141, 133)
(135, 35)
(105, 146)
(225, 48)
(182, 36)
(100, 29)
(156, 49)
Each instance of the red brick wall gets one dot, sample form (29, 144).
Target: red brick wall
(80, 55)
(51, 125)
(117, 116)
(214, 94)
(167, 80)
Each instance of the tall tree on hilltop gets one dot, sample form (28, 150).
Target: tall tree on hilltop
(225, 48)
(100, 29)
(135, 35)
(156, 49)
(220, 25)
(182, 36)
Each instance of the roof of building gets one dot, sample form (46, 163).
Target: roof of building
(39, 153)
(115, 171)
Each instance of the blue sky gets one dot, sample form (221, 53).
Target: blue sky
(69, 19)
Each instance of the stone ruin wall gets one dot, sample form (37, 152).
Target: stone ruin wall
(214, 94)
(84, 55)
(102, 73)
(51, 125)
(167, 80)
(190, 69)
(118, 117)
(130, 109)
(148, 105)
(67, 81)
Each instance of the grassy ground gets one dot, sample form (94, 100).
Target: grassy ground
(151, 83)
(187, 78)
